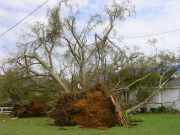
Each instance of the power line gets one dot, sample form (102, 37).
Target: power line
(24, 18)
(126, 37)
(153, 34)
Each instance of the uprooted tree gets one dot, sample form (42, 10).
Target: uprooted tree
(86, 50)
(79, 58)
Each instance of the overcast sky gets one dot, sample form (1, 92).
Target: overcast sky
(152, 16)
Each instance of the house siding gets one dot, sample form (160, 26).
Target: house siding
(167, 98)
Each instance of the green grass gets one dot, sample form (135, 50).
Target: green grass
(154, 124)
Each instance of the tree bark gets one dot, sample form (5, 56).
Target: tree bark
(119, 110)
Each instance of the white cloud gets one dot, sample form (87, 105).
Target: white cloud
(164, 17)
(11, 11)
(26, 3)
(153, 16)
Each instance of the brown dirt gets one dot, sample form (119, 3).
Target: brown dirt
(64, 110)
(93, 109)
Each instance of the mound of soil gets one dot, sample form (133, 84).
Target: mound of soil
(64, 111)
(93, 109)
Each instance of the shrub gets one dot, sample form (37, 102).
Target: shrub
(143, 110)
(34, 109)
(163, 109)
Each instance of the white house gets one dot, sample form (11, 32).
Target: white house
(169, 97)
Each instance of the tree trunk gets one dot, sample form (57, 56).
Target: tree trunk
(119, 110)
(60, 83)
(82, 77)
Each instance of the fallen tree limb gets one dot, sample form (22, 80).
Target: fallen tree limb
(133, 83)
(160, 87)
(120, 113)
(136, 107)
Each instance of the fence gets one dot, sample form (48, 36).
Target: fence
(6, 110)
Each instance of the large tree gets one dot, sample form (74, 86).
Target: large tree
(42, 52)
(75, 57)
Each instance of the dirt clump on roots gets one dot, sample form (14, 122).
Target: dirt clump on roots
(64, 111)
(93, 109)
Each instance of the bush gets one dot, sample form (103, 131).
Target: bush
(143, 110)
(163, 109)
(34, 109)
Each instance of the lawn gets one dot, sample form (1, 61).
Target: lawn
(154, 124)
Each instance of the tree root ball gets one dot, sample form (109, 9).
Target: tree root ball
(92, 109)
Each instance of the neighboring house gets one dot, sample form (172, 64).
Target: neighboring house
(169, 97)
